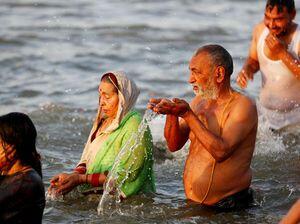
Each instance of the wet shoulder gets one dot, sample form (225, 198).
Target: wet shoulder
(258, 29)
(32, 183)
(244, 100)
(22, 181)
(244, 105)
(33, 177)
(134, 120)
(27, 204)
(24, 193)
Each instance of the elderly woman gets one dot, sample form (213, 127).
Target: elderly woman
(115, 124)
(22, 196)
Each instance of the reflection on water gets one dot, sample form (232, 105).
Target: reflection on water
(52, 55)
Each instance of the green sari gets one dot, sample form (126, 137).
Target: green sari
(135, 168)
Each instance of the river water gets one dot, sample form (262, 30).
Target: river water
(53, 54)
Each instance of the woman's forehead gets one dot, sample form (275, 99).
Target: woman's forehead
(106, 87)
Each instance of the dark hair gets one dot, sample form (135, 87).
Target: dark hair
(111, 78)
(289, 4)
(219, 57)
(17, 130)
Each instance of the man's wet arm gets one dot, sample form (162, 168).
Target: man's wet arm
(212, 143)
(176, 133)
(251, 65)
(292, 63)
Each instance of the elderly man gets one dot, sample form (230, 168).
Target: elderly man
(275, 51)
(221, 125)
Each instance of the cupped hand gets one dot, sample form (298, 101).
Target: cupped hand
(153, 102)
(181, 107)
(58, 179)
(64, 183)
(177, 107)
(243, 77)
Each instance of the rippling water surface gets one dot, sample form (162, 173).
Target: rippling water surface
(53, 54)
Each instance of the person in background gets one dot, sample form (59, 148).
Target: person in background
(274, 50)
(221, 125)
(22, 195)
(115, 125)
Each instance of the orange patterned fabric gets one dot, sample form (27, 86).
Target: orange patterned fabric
(7, 160)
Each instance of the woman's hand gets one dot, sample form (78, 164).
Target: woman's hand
(64, 183)
(176, 107)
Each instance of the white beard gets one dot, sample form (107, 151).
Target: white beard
(210, 93)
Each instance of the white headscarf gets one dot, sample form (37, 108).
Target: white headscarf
(128, 93)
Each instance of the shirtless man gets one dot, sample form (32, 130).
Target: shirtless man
(275, 51)
(221, 125)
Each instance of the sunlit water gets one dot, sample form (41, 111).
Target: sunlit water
(52, 55)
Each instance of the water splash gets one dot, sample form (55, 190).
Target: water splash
(112, 194)
(51, 195)
(267, 140)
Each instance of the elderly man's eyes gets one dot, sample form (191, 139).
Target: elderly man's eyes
(197, 72)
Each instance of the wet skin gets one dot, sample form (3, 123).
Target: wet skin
(281, 28)
(200, 121)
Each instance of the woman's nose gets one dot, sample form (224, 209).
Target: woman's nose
(101, 101)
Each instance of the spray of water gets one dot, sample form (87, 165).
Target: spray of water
(112, 193)
(51, 195)
(267, 141)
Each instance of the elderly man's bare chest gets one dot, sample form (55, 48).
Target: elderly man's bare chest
(211, 117)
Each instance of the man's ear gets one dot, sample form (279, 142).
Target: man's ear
(220, 74)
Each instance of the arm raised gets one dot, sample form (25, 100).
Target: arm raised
(251, 65)
(176, 131)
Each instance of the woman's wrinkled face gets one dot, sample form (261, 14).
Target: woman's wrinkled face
(108, 99)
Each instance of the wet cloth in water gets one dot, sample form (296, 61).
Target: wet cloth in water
(240, 200)
(279, 119)
(134, 171)
(22, 198)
